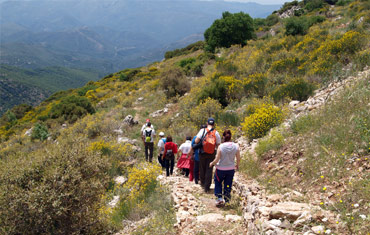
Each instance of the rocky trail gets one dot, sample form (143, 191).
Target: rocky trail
(252, 210)
(257, 212)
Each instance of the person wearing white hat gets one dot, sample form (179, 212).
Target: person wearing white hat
(161, 143)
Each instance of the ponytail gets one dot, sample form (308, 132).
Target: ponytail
(226, 135)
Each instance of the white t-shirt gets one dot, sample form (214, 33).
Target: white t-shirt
(203, 132)
(185, 147)
(148, 129)
(145, 126)
(161, 145)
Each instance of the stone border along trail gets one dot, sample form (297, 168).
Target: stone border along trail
(262, 214)
(196, 211)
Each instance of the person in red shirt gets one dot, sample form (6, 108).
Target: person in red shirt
(170, 149)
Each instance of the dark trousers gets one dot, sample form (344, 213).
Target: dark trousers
(161, 161)
(225, 177)
(205, 170)
(169, 166)
(196, 171)
(149, 151)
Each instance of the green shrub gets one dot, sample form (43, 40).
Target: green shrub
(174, 82)
(217, 89)
(53, 191)
(295, 26)
(342, 2)
(39, 132)
(272, 142)
(311, 5)
(295, 89)
(207, 108)
(82, 91)
(227, 118)
(71, 108)
(128, 74)
(191, 66)
(265, 117)
(315, 20)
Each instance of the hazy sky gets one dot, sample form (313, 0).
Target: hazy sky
(262, 1)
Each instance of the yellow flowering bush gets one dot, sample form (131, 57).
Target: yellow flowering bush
(265, 117)
(141, 183)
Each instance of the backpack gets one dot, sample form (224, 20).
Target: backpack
(209, 141)
(169, 154)
(164, 140)
(148, 135)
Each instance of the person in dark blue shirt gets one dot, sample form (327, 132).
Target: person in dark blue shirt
(196, 158)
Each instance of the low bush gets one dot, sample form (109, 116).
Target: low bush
(128, 74)
(265, 117)
(216, 89)
(39, 132)
(207, 108)
(71, 108)
(82, 91)
(141, 184)
(56, 190)
(311, 5)
(295, 26)
(191, 66)
(174, 82)
(271, 142)
(295, 89)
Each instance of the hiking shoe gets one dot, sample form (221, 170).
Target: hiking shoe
(219, 202)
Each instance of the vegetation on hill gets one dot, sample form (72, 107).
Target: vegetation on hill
(32, 86)
(242, 87)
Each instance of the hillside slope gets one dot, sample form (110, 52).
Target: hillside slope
(318, 163)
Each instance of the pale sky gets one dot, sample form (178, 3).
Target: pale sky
(262, 1)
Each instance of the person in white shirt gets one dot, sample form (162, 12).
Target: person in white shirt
(161, 143)
(184, 161)
(145, 125)
(206, 170)
(148, 137)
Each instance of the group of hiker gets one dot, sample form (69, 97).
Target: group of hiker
(197, 156)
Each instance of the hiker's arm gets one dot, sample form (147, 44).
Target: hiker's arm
(237, 159)
(218, 157)
(197, 140)
(179, 154)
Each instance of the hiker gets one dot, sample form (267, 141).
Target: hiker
(160, 145)
(170, 149)
(195, 151)
(145, 125)
(183, 160)
(210, 139)
(225, 168)
(148, 138)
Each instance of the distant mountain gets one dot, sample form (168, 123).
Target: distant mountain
(104, 35)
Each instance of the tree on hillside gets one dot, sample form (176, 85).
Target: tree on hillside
(229, 30)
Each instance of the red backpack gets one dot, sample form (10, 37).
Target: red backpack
(209, 141)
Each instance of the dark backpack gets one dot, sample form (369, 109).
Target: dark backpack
(148, 135)
(169, 154)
